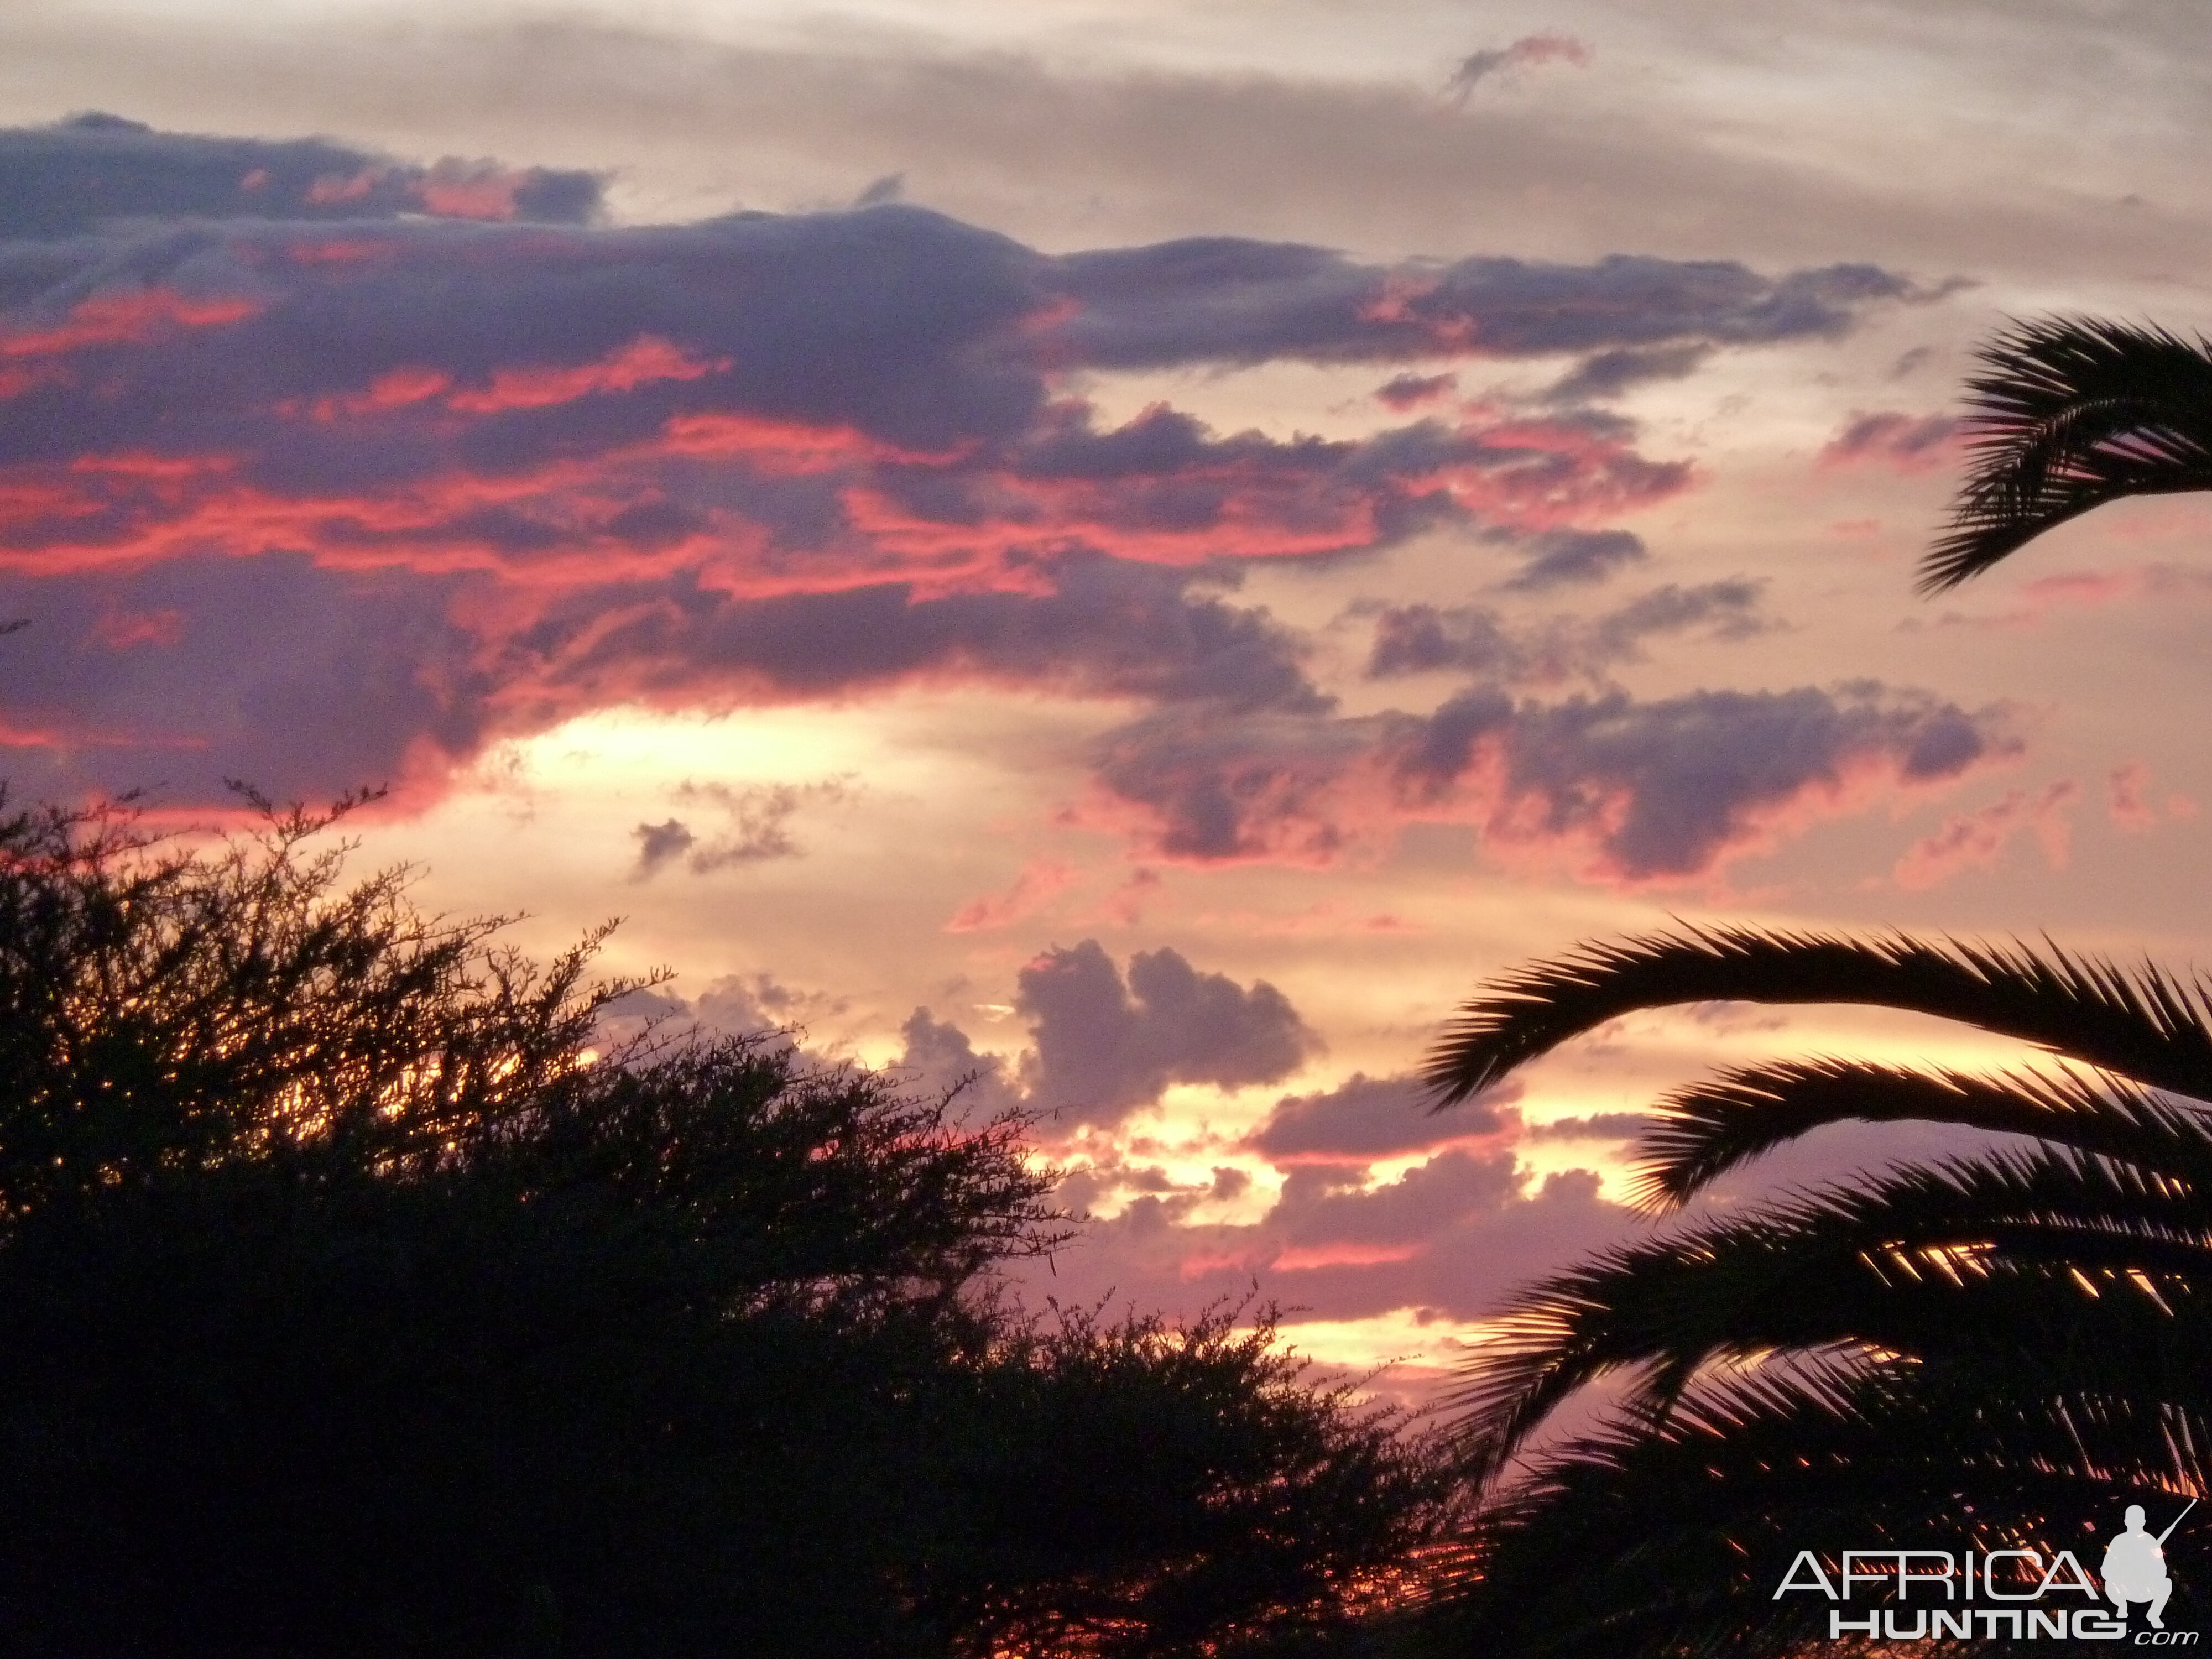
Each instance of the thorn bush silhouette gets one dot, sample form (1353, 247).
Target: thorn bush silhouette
(349, 1307)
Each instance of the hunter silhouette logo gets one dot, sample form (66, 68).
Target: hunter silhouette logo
(2013, 1594)
(2134, 1566)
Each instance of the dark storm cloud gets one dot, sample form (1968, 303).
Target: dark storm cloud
(74, 174)
(318, 501)
(1654, 789)
(1104, 1046)
(881, 319)
(1366, 1118)
(1665, 787)
(177, 675)
(1222, 298)
(309, 682)
(1109, 628)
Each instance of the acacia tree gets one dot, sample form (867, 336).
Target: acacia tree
(2006, 1345)
(350, 1304)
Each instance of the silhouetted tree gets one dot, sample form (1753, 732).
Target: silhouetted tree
(2005, 1347)
(350, 1305)
(2066, 415)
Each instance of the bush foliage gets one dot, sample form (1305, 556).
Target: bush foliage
(354, 1306)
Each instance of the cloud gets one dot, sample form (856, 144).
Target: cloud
(1104, 1045)
(1598, 1126)
(1525, 52)
(1366, 1118)
(891, 187)
(659, 843)
(77, 174)
(1223, 299)
(759, 819)
(1410, 391)
(1902, 442)
(749, 1004)
(691, 123)
(1976, 840)
(2126, 806)
(752, 1005)
(1451, 1236)
(2127, 801)
(939, 1058)
(1670, 788)
(1578, 555)
(1727, 609)
(1637, 790)
(1608, 374)
(320, 501)
(1040, 881)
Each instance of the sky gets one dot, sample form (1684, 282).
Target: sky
(1132, 553)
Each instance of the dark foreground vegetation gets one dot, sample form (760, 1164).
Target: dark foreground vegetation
(349, 1306)
(2002, 1349)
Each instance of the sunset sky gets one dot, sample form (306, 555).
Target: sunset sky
(1138, 548)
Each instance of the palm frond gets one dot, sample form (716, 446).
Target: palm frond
(1639, 1539)
(1716, 1124)
(2070, 413)
(2141, 1023)
(2058, 1254)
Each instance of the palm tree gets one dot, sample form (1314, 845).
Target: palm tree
(2006, 1346)
(2068, 414)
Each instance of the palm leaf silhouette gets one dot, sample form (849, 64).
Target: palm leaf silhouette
(2021, 1320)
(2068, 414)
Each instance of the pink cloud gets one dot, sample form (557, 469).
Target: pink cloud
(1039, 882)
(130, 317)
(464, 190)
(644, 360)
(1976, 840)
(119, 630)
(2128, 799)
(1125, 906)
